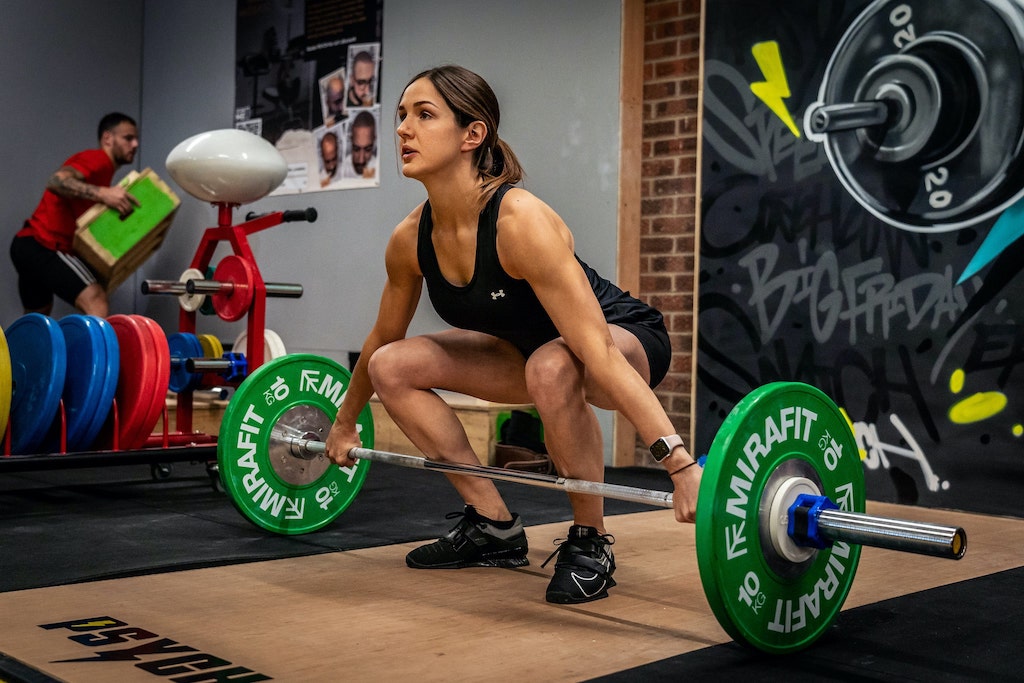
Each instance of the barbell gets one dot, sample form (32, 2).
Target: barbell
(780, 515)
(231, 290)
(199, 285)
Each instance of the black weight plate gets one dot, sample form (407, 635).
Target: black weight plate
(969, 167)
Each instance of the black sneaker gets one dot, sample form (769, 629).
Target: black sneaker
(474, 541)
(584, 568)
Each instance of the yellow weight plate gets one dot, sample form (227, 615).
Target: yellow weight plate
(212, 348)
(5, 383)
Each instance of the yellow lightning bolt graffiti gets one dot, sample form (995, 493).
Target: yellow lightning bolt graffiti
(774, 88)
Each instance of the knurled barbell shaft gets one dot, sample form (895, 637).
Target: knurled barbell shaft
(274, 289)
(833, 118)
(304, 448)
(835, 525)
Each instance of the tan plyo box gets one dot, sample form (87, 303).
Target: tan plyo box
(114, 247)
(481, 420)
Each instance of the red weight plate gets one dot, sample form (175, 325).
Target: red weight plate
(145, 383)
(233, 305)
(160, 376)
(134, 382)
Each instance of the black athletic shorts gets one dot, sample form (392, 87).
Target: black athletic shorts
(654, 339)
(43, 272)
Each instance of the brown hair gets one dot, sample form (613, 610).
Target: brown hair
(471, 99)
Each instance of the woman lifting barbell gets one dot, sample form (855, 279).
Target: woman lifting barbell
(531, 324)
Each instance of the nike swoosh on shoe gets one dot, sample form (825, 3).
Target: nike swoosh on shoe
(589, 580)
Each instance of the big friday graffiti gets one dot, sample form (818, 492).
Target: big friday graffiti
(861, 219)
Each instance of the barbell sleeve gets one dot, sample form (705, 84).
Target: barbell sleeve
(894, 534)
(231, 366)
(815, 521)
(833, 524)
(208, 364)
(293, 215)
(288, 216)
(175, 287)
(832, 118)
(274, 289)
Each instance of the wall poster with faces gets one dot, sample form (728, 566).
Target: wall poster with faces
(861, 222)
(308, 80)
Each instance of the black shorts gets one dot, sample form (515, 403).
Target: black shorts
(654, 338)
(43, 272)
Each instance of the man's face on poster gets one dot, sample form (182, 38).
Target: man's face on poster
(360, 83)
(329, 153)
(363, 147)
(335, 95)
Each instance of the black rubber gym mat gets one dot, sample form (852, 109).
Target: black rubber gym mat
(909, 638)
(68, 526)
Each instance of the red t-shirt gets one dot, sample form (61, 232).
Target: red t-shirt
(53, 222)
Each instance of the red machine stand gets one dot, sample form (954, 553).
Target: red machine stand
(245, 279)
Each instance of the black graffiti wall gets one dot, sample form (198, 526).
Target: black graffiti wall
(861, 222)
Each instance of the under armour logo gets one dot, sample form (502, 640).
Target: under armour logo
(496, 295)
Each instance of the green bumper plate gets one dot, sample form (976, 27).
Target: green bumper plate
(293, 396)
(778, 431)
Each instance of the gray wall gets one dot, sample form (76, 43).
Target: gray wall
(63, 65)
(553, 65)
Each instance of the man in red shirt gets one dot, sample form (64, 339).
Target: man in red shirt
(41, 250)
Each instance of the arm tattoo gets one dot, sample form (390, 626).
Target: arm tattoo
(68, 182)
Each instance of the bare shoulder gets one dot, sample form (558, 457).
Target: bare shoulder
(530, 233)
(521, 203)
(401, 249)
(524, 215)
(409, 226)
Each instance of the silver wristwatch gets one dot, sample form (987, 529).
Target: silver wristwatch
(661, 448)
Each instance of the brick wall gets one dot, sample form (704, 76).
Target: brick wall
(669, 187)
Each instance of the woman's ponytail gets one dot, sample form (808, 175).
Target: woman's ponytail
(498, 165)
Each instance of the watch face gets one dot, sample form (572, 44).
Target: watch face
(660, 449)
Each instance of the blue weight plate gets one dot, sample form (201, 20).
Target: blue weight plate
(38, 366)
(184, 345)
(104, 402)
(85, 362)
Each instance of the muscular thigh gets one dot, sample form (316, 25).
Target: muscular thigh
(633, 351)
(463, 361)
